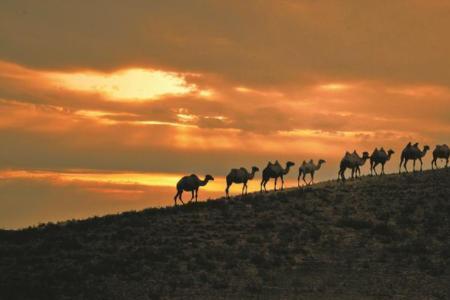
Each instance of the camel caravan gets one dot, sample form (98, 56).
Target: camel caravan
(352, 161)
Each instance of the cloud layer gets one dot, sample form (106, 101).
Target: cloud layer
(203, 86)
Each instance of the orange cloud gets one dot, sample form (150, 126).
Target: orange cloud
(128, 84)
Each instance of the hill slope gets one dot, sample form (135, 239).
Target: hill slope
(374, 238)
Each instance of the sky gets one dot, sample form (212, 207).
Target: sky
(105, 105)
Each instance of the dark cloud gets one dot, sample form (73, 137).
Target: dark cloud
(253, 42)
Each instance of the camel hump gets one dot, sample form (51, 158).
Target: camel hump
(347, 153)
(311, 161)
(381, 149)
(409, 144)
(243, 169)
(304, 162)
(269, 164)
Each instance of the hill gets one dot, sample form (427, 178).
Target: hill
(374, 238)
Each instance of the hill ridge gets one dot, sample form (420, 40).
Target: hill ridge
(374, 238)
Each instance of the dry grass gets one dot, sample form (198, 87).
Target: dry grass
(374, 238)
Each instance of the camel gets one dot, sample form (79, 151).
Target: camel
(308, 168)
(190, 183)
(441, 151)
(240, 175)
(352, 161)
(274, 171)
(412, 152)
(379, 157)
(357, 170)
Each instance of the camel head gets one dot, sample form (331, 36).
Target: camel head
(322, 161)
(390, 152)
(290, 164)
(255, 169)
(426, 148)
(365, 155)
(209, 177)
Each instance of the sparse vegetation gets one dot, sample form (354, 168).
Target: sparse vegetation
(373, 238)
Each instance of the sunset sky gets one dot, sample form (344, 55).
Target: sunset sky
(105, 104)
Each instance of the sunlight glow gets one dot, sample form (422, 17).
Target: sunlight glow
(123, 178)
(130, 84)
(334, 87)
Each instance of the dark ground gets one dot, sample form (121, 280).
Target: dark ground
(376, 238)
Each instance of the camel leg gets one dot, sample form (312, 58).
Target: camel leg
(261, 186)
(243, 188)
(227, 190)
(375, 169)
(276, 179)
(179, 194)
(193, 194)
(312, 178)
(175, 198)
(405, 165)
(282, 183)
(265, 182)
(446, 164)
(382, 168)
(421, 164)
(400, 166)
(343, 175)
(433, 162)
(298, 179)
(304, 178)
(196, 194)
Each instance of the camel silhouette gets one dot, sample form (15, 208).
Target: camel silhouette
(308, 168)
(412, 152)
(379, 157)
(441, 151)
(352, 161)
(240, 175)
(274, 171)
(190, 183)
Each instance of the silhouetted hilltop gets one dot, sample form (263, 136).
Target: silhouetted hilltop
(374, 238)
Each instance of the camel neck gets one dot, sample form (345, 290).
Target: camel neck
(318, 165)
(286, 170)
(423, 152)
